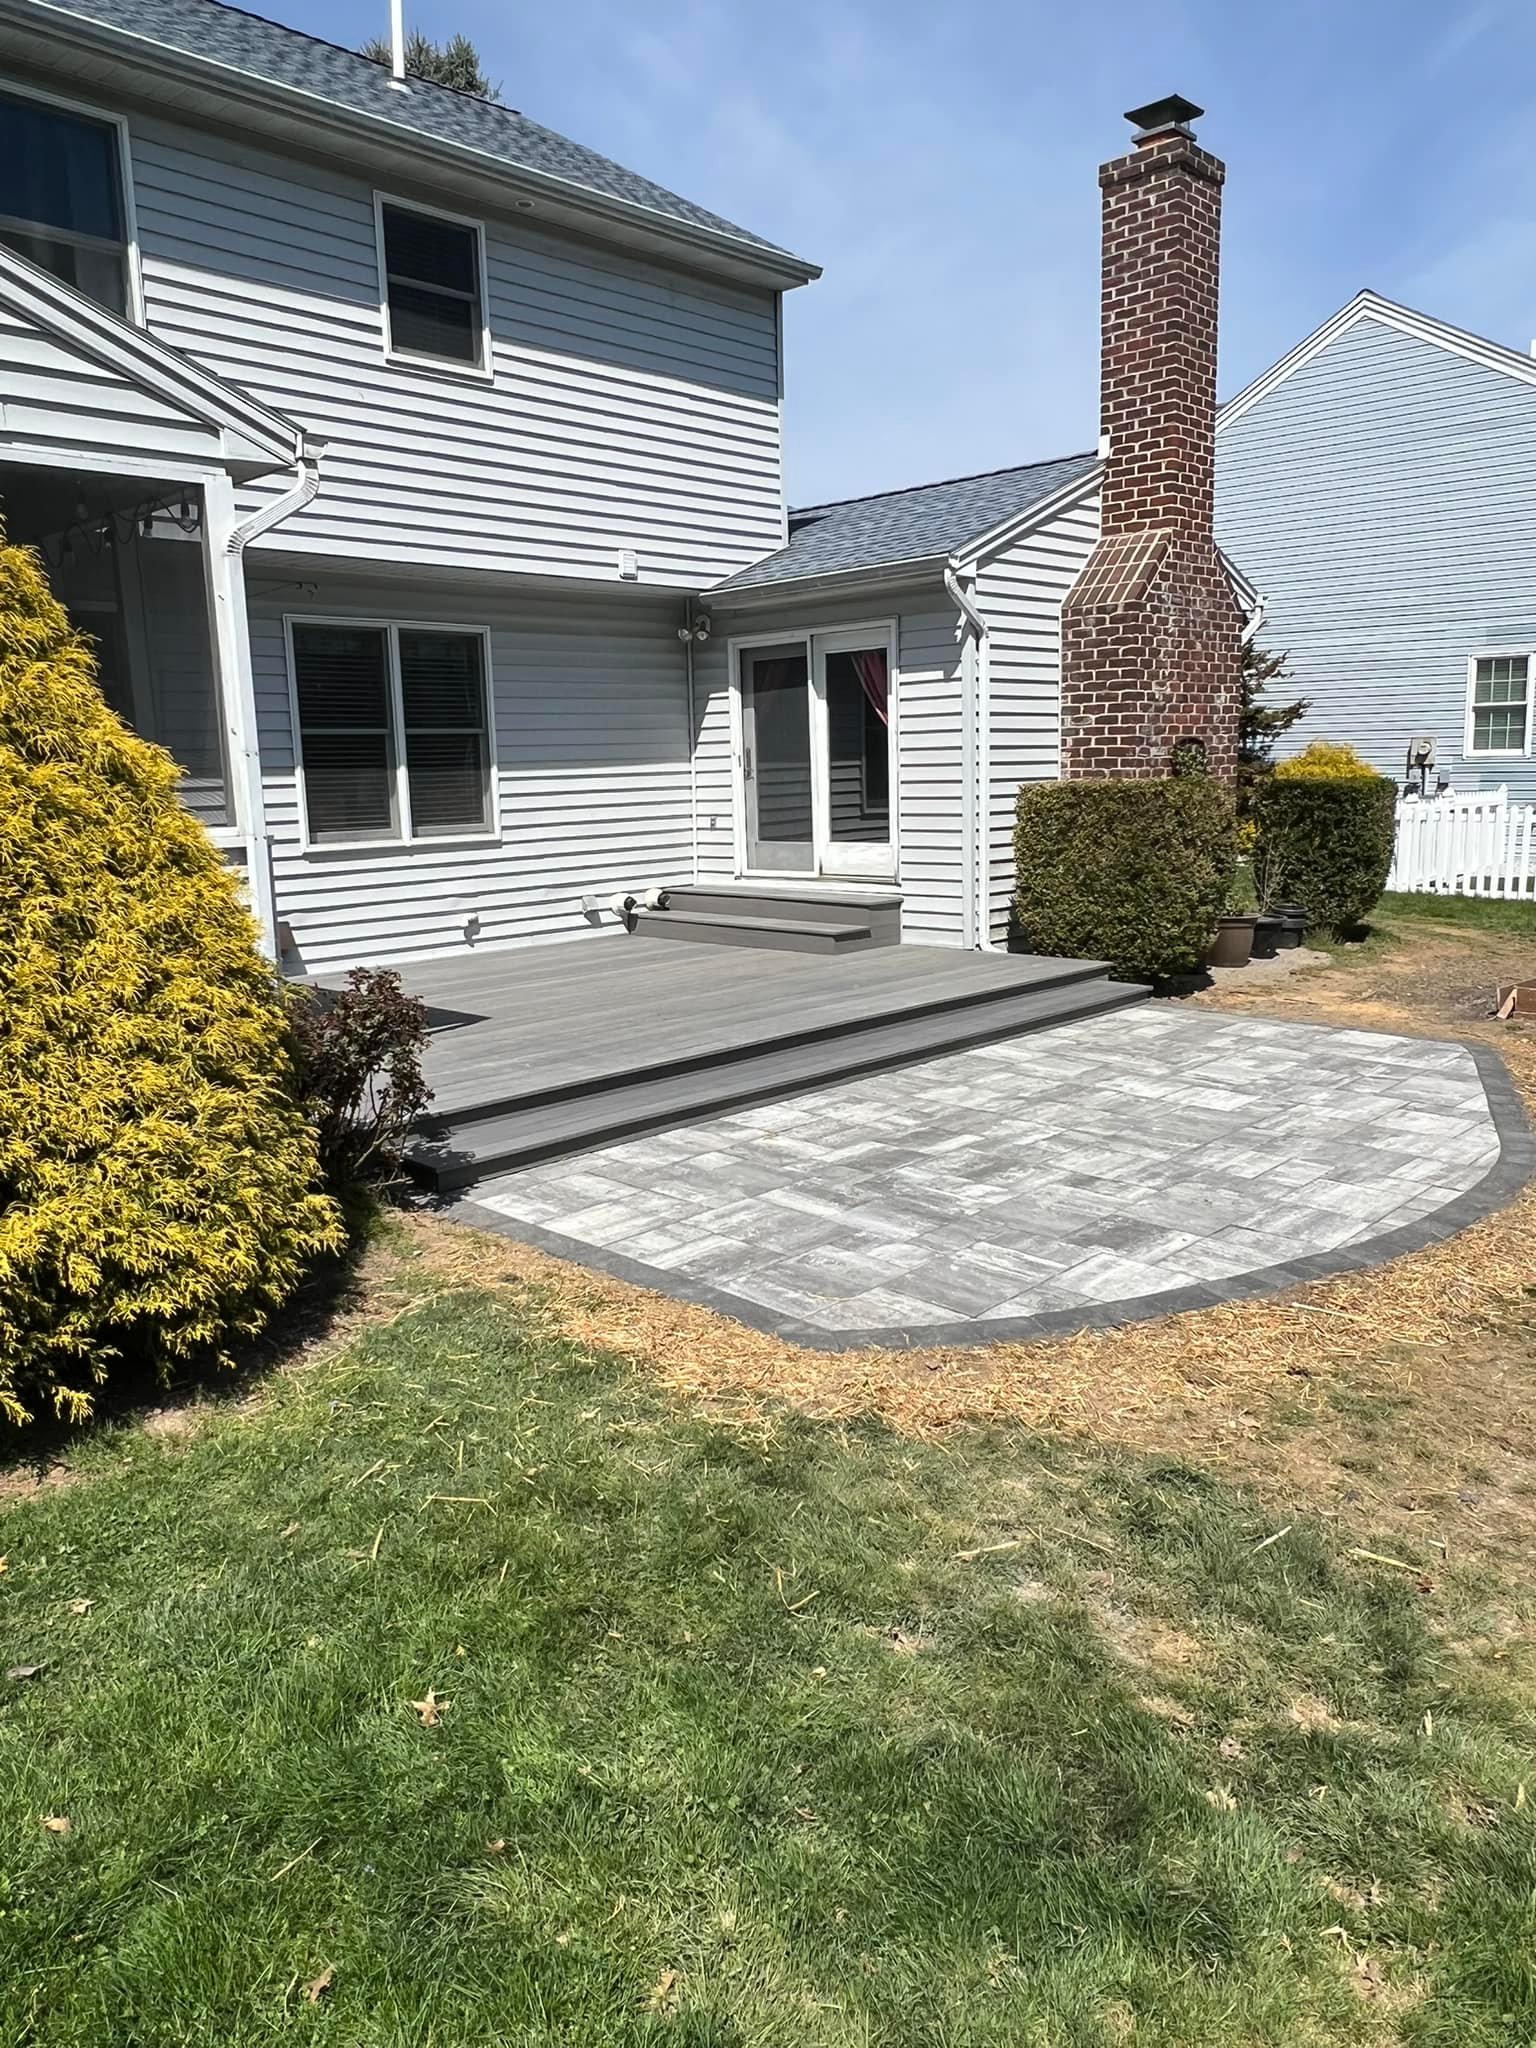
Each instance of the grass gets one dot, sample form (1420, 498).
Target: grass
(755, 1732)
(1466, 913)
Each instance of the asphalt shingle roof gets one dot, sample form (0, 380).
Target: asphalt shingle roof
(284, 56)
(904, 526)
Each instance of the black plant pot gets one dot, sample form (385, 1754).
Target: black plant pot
(1293, 923)
(1267, 935)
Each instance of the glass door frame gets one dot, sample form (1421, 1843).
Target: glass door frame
(830, 863)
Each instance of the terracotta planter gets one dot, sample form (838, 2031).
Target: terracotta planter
(1233, 943)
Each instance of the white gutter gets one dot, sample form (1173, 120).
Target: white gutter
(1256, 619)
(976, 758)
(261, 881)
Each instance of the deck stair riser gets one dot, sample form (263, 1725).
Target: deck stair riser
(784, 917)
(500, 1137)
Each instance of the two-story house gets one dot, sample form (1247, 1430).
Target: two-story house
(419, 475)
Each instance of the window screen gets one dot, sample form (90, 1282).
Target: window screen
(1500, 689)
(61, 202)
(442, 696)
(432, 282)
(341, 677)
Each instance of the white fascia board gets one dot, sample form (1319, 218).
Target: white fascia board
(249, 433)
(1369, 305)
(876, 577)
(772, 266)
(975, 553)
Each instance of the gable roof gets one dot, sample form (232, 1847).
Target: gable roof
(1369, 305)
(245, 436)
(927, 523)
(288, 61)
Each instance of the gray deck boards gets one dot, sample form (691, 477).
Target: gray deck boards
(526, 1020)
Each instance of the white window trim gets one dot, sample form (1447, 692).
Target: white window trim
(407, 840)
(119, 124)
(1502, 653)
(887, 630)
(481, 372)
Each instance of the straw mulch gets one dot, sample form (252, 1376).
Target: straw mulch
(1211, 1371)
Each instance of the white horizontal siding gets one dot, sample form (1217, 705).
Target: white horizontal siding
(930, 853)
(1019, 592)
(1383, 499)
(61, 399)
(592, 787)
(632, 407)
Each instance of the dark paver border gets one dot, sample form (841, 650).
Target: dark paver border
(1497, 1188)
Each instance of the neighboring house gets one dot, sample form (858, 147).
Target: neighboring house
(419, 474)
(1378, 486)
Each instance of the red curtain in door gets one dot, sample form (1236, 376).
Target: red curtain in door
(873, 671)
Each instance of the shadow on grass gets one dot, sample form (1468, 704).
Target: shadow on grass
(139, 1385)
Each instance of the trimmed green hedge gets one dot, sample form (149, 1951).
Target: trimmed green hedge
(1135, 873)
(1327, 845)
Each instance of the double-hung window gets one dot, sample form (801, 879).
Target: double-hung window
(434, 290)
(61, 197)
(1499, 704)
(394, 731)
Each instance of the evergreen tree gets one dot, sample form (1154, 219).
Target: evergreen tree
(455, 63)
(1261, 724)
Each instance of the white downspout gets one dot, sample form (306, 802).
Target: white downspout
(976, 755)
(232, 623)
(1255, 619)
(693, 741)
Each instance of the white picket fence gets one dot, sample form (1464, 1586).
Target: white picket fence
(1480, 845)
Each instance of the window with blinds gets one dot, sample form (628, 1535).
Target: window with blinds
(394, 731)
(432, 286)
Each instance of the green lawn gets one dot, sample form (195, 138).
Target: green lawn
(738, 1747)
(1468, 913)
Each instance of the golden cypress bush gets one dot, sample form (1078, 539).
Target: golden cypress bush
(158, 1180)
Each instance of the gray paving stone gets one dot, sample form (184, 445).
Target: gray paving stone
(1159, 1152)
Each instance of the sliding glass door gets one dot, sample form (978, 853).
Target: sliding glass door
(816, 755)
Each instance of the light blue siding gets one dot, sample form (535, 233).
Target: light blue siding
(632, 407)
(1383, 500)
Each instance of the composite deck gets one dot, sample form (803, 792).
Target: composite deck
(544, 1049)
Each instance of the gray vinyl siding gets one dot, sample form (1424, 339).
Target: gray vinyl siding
(1383, 500)
(929, 791)
(60, 400)
(592, 784)
(631, 407)
(1019, 592)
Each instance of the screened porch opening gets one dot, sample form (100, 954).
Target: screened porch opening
(124, 556)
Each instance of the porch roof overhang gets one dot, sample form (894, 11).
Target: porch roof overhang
(82, 388)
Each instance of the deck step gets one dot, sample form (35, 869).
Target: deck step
(474, 1146)
(778, 934)
(875, 910)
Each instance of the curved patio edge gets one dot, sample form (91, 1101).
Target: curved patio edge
(1498, 1187)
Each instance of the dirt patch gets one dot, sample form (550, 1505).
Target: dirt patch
(1145, 1641)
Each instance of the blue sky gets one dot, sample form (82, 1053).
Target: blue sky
(939, 162)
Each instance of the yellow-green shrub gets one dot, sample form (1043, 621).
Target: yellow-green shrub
(158, 1184)
(1324, 761)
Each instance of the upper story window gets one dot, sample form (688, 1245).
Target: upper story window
(61, 197)
(434, 292)
(1499, 704)
(394, 731)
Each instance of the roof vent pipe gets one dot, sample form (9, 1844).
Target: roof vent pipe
(397, 45)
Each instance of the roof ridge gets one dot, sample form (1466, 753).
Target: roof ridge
(937, 483)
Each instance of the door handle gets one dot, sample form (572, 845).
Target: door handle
(746, 764)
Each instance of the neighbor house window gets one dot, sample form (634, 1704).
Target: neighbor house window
(394, 731)
(434, 294)
(61, 197)
(1501, 700)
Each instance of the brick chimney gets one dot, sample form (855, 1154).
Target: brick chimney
(1150, 649)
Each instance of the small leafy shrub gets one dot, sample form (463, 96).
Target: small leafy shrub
(358, 1056)
(1327, 842)
(1325, 761)
(158, 1181)
(1135, 873)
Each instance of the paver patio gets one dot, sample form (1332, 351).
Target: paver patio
(1130, 1165)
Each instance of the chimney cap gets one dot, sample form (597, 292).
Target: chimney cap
(1160, 117)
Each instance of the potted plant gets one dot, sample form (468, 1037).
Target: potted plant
(1233, 944)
